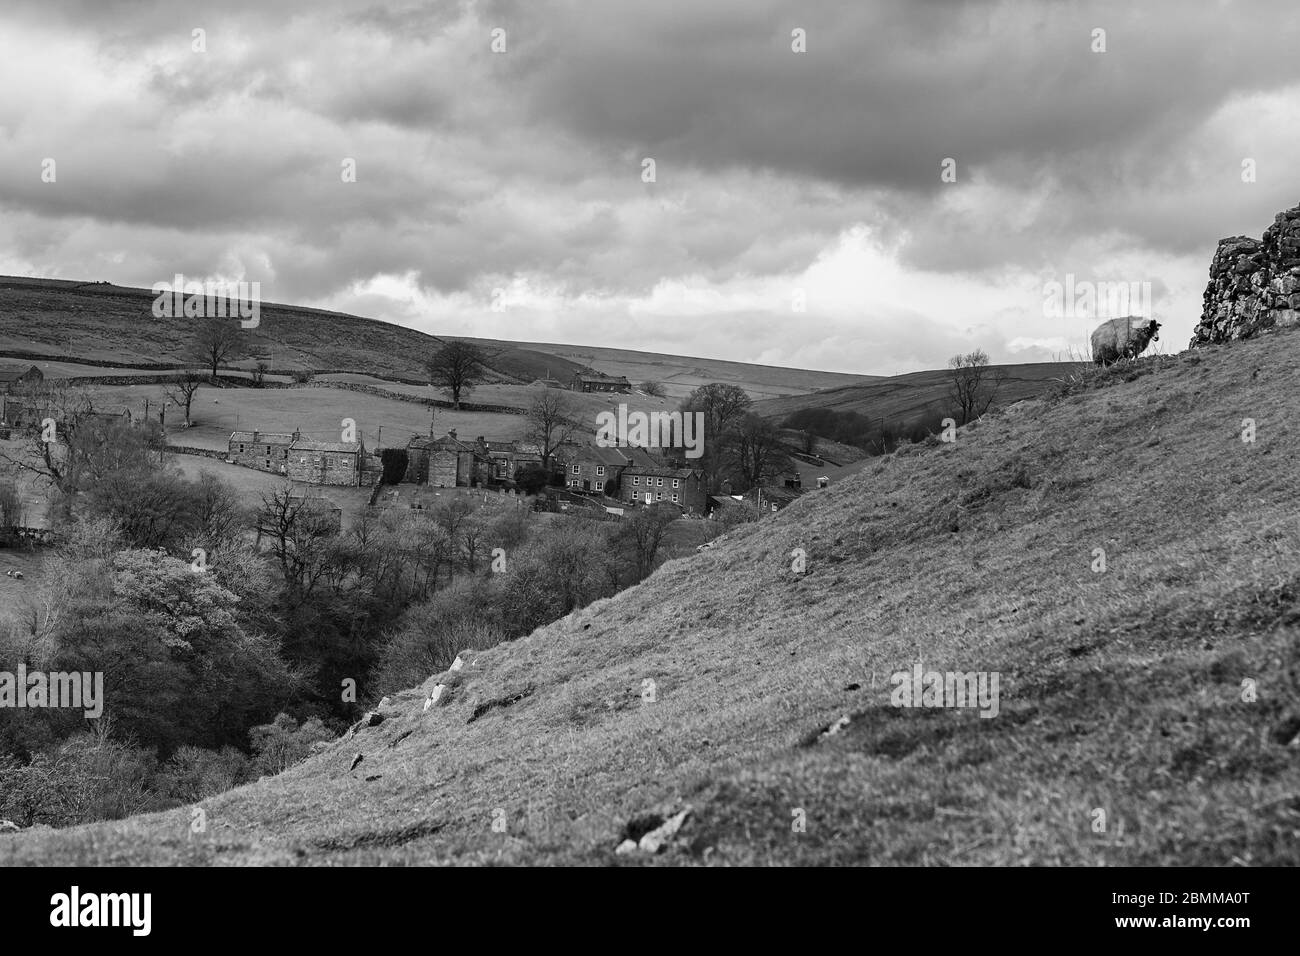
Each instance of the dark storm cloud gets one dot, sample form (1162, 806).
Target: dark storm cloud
(476, 168)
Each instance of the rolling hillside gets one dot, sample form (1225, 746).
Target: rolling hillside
(1156, 696)
(104, 323)
(114, 324)
(901, 399)
(681, 374)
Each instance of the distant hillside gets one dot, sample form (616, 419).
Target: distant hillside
(102, 322)
(681, 374)
(916, 396)
(1146, 711)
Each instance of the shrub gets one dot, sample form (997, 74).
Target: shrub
(89, 777)
(193, 774)
(279, 745)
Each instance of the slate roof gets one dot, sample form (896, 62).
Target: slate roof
(263, 438)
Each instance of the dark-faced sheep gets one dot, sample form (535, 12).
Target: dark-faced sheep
(1123, 338)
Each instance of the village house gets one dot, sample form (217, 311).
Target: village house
(598, 382)
(505, 458)
(326, 462)
(297, 457)
(14, 378)
(446, 462)
(594, 469)
(771, 499)
(265, 451)
(653, 484)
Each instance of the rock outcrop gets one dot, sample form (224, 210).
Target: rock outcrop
(1254, 284)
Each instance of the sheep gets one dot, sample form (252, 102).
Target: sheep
(1123, 338)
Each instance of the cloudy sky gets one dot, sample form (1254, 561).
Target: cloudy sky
(799, 214)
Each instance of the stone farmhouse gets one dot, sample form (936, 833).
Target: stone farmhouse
(299, 458)
(597, 382)
(633, 475)
(507, 457)
(445, 462)
(594, 469)
(683, 487)
(451, 462)
(15, 377)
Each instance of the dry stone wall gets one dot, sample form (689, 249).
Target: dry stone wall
(1254, 284)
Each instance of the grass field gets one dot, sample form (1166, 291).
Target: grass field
(1122, 690)
(12, 591)
(316, 411)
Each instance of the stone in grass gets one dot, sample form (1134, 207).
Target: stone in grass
(651, 833)
(356, 760)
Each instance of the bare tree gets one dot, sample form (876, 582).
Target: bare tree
(757, 448)
(643, 534)
(456, 368)
(973, 385)
(216, 341)
(654, 389)
(723, 407)
(551, 422)
(183, 390)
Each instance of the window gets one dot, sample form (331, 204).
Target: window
(636, 479)
(268, 449)
(600, 469)
(600, 486)
(241, 449)
(659, 496)
(659, 482)
(676, 483)
(577, 469)
(674, 498)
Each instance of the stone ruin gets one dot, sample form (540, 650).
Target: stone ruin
(1254, 284)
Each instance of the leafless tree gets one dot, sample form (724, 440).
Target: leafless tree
(723, 407)
(216, 341)
(456, 368)
(644, 533)
(183, 390)
(973, 385)
(756, 444)
(551, 422)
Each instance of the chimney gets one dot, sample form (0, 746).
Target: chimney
(254, 436)
(297, 435)
(451, 433)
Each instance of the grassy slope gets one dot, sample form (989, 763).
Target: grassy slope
(1119, 690)
(904, 398)
(681, 374)
(115, 323)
